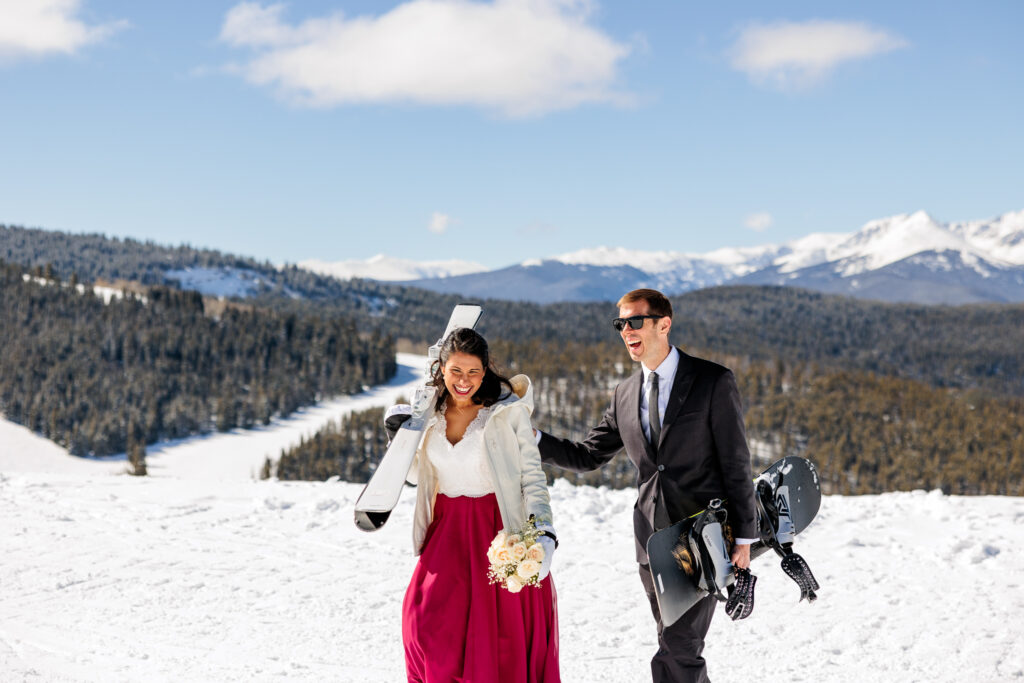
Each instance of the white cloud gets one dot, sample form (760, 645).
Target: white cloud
(789, 54)
(439, 222)
(759, 222)
(31, 28)
(519, 57)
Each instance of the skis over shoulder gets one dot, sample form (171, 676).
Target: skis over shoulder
(381, 493)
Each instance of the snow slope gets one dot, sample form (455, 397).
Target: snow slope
(201, 573)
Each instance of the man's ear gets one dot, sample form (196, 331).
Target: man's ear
(665, 325)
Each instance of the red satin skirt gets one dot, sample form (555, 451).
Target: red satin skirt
(456, 626)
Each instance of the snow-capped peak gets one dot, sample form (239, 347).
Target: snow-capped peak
(649, 261)
(888, 240)
(990, 248)
(1003, 236)
(388, 268)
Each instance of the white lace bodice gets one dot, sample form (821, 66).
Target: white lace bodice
(462, 469)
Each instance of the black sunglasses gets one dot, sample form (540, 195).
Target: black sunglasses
(635, 321)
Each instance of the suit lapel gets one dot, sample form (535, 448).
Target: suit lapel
(680, 390)
(632, 409)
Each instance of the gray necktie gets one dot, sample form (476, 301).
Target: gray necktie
(654, 415)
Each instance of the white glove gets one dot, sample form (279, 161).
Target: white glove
(549, 546)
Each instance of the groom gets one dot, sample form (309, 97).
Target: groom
(681, 422)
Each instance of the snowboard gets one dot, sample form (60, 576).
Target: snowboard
(788, 497)
(381, 493)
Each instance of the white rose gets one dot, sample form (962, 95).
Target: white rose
(535, 552)
(503, 555)
(499, 540)
(528, 569)
(519, 550)
(513, 584)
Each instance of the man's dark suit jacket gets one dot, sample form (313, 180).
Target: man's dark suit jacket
(702, 453)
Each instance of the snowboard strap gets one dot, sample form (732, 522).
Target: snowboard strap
(796, 568)
(741, 595)
(777, 533)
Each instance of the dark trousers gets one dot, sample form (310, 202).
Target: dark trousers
(679, 659)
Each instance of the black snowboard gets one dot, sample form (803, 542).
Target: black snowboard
(676, 586)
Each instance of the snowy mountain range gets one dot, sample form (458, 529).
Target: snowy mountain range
(908, 257)
(390, 269)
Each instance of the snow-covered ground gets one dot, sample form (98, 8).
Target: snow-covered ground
(201, 573)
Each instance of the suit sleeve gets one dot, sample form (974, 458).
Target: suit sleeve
(597, 449)
(533, 481)
(733, 455)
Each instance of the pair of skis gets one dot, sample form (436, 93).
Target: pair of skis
(380, 496)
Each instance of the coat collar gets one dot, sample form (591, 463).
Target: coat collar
(685, 375)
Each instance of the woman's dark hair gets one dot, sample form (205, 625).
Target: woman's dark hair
(467, 340)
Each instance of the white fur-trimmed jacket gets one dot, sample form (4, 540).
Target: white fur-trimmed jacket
(511, 452)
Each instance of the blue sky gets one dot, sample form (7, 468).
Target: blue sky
(500, 131)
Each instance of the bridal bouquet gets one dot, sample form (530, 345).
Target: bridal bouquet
(516, 558)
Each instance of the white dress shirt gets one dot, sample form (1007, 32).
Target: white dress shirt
(666, 376)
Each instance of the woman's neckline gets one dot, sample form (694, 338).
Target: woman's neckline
(444, 422)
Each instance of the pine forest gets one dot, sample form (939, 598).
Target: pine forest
(101, 378)
(881, 396)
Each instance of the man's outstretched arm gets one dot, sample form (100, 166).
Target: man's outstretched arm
(598, 448)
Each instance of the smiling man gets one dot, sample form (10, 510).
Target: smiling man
(680, 421)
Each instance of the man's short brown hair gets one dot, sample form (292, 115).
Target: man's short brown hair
(657, 303)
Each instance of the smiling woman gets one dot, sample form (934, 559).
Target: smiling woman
(465, 363)
(479, 479)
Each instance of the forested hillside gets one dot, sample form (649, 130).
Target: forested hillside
(867, 433)
(98, 378)
(974, 346)
(881, 396)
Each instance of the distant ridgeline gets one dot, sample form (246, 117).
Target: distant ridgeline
(103, 378)
(867, 433)
(881, 396)
(974, 346)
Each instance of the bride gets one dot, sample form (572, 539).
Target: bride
(478, 473)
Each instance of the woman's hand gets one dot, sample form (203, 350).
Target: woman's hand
(395, 417)
(549, 546)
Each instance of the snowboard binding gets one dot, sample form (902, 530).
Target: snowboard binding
(777, 532)
(703, 553)
(741, 595)
(796, 568)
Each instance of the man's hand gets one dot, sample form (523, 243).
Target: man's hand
(741, 556)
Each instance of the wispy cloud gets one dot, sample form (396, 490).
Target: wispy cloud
(519, 57)
(789, 54)
(439, 223)
(41, 27)
(759, 222)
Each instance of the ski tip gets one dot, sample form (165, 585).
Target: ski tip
(370, 521)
